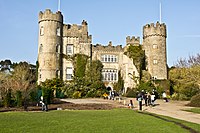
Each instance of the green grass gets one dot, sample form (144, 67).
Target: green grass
(86, 121)
(193, 110)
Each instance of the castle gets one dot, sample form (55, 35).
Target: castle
(57, 39)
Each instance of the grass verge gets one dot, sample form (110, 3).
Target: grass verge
(193, 110)
(86, 121)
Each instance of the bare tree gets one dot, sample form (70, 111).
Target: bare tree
(23, 80)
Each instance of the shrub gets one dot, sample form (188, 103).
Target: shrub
(77, 94)
(7, 100)
(19, 98)
(195, 101)
(131, 92)
(47, 95)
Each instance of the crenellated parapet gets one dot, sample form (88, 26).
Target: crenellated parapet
(108, 48)
(79, 31)
(132, 40)
(154, 30)
(48, 15)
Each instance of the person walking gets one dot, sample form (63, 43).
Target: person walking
(164, 95)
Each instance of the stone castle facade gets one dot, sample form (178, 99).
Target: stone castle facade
(57, 40)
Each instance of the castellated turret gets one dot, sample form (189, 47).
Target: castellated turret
(154, 44)
(49, 45)
(133, 40)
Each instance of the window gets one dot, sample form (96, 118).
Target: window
(69, 49)
(108, 58)
(58, 31)
(154, 77)
(41, 31)
(57, 48)
(40, 48)
(69, 72)
(155, 62)
(105, 58)
(111, 58)
(40, 76)
(109, 75)
(102, 58)
(57, 73)
(155, 46)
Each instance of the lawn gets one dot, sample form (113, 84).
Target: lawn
(194, 110)
(86, 121)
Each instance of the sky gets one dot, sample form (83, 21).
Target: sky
(108, 20)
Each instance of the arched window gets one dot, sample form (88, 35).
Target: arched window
(40, 48)
(57, 73)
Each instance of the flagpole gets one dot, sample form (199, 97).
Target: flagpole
(160, 13)
(58, 5)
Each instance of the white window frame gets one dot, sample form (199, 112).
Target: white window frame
(69, 73)
(70, 49)
(155, 61)
(58, 31)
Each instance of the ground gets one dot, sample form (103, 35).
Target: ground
(172, 109)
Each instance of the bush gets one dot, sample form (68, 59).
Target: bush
(131, 92)
(1, 103)
(19, 98)
(195, 101)
(47, 95)
(7, 100)
(77, 94)
(179, 96)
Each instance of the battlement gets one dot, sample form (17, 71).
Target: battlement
(108, 48)
(48, 15)
(154, 30)
(132, 40)
(74, 30)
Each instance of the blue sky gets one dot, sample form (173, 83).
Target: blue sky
(109, 20)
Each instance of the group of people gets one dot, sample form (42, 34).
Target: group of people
(149, 98)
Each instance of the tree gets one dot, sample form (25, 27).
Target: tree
(185, 77)
(23, 80)
(80, 65)
(120, 83)
(138, 56)
(5, 65)
(5, 88)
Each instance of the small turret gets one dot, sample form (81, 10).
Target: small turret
(133, 41)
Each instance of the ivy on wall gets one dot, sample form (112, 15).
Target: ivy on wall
(138, 56)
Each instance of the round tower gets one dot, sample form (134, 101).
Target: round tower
(49, 45)
(154, 44)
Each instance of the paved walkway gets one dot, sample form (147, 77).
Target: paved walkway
(172, 108)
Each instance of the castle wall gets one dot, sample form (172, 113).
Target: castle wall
(57, 42)
(123, 64)
(154, 44)
(49, 45)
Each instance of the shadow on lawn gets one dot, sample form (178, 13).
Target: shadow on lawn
(172, 121)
